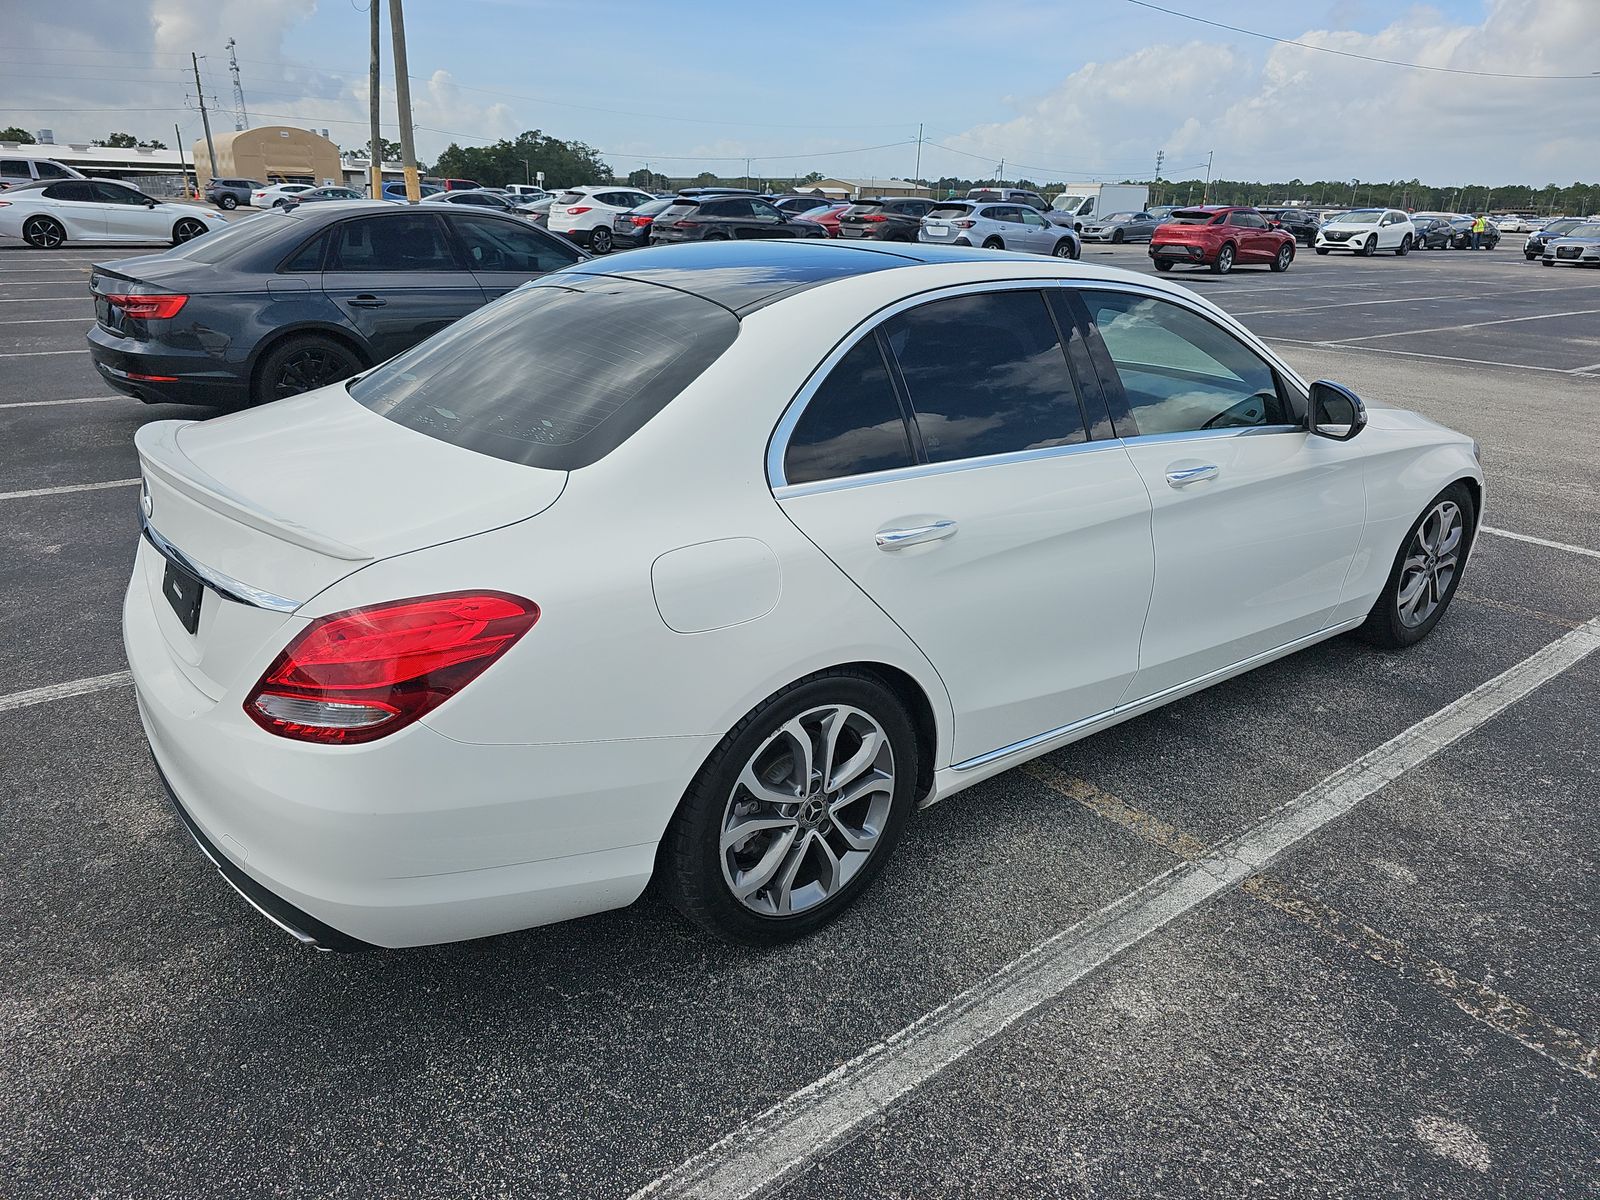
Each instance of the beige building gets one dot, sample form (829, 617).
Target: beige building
(272, 154)
(857, 188)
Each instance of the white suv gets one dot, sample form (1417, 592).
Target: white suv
(1368, 230)
(584, 214)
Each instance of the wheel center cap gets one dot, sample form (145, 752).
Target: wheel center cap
(812, 812)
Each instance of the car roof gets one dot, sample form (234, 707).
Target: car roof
(743, 276)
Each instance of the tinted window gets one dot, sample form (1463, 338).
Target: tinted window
(15, 168)
(760, 208)
(505, 246)
(852, 425)
(49, 170)
(553, 375)
(110, 193)
(1194, 217)
(986, 375)
(403, 242)
(949, 212)
(308, 258)
(1179, 371)
(74, 189)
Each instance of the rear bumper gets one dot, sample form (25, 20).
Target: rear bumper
(1179, 252)
(157, 375)
(415, 840)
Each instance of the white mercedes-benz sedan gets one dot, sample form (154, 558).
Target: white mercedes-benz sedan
(712, 563)
(51, 214)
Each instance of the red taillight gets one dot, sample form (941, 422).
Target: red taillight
(686, 224)
(872, 217)
(641, 222)
(360, 675)
(963, 224)
(149, 308)
(577, 212)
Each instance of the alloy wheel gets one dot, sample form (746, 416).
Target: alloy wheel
(1430, 565)
(43, 233)
(807, 810)
(310, 368)
(600, 241)
(187, 230)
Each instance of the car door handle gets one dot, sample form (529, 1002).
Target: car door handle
(1184, 476)
(366, 301)
(914, 535)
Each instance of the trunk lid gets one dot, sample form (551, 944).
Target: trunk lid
(284, 501)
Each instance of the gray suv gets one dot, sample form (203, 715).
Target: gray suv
(997, 227)
(230, 193)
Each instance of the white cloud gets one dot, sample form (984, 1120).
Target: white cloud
(1301, 113)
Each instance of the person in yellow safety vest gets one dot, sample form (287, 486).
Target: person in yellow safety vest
(1479, 226)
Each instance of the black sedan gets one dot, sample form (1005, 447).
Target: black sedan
(273, 306)
(719, 217)
(1461, 234)
(1534, 247)
(631, 229)
(1432, 233)
(893, 220)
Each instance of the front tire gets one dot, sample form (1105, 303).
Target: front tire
(1369, 247)
(302, 364)
(1116, 237)
(43, 233)
(1064, 249)
(1426, 571)
(186, 230)
(1322, 250)
(600, 240)
(1224, 261)
(1284, 257)
(795, 812)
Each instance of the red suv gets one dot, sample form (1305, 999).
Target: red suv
(1216, 236)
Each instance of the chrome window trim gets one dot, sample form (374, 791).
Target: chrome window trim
(225, 586)
(778, 443)
(792, 491)
(1206, 435)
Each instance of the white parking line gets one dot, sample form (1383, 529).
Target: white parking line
(37, 353)
(61, 691)
(1262, 312)
(84, 298)
(1539, 541)
(1366, 337)
(1584, 370)
(72, 487)
(806, 1125)
(46, 403)
(46, 320)
(1471, 362)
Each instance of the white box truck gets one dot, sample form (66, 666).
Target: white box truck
(1085, 200)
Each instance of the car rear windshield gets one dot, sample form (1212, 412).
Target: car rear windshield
(864, 206)
(1194, 216)
(557, 374)
(948, 212)
(569, 197)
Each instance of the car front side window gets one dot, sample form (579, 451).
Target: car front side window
(1181, 373)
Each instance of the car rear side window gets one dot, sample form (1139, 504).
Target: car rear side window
(72, 189)
(49, 170)
(986, 374)
(554, 375)
(511, 246)
(1180, 372)
(391, 242)
(852, 425)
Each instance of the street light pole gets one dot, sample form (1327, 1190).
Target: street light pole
(402, 90)
(527, 169)
(1205, 196)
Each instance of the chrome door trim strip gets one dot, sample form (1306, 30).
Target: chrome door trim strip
(223, 585)
(790, 491)
(1157, 698)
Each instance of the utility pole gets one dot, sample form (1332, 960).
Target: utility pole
(747, 172)
(402, 91)
(1205, 196)
(374, 108)
(205, 120)
(1161, 157)
(241, 117)
(916, 174)
(177, 135)
(1353, 184)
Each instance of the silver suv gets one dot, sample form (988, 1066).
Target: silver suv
(997, 227)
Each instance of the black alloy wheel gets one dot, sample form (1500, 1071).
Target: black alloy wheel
(1116, 237)
(303, 364)
(187, 230)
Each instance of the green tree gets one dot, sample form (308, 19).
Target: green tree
(566, 164)
(12, 134)
(152, 144)
(649, 181)
(390, 151)
(120, 141)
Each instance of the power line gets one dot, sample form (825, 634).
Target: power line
(1388, 62)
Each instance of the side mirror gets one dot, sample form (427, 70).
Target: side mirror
(1335, 412)
(149, 203)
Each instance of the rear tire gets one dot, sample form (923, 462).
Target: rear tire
(600, 240)
(1163, 264)
(994, 243)
(1224, 260)
(807, 887)
(43, 233)
(1416, 597)
(302, 364)
(1404, 248)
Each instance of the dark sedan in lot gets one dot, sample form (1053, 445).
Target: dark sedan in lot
(716, 217)
(277, 305)
(1298, 223)
(631, 229)
(1534, 247)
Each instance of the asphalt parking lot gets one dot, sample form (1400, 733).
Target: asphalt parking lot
(1328, 929)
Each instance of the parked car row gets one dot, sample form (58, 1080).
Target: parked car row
(1574, 247)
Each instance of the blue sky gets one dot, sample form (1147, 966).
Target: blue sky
(1070, 89)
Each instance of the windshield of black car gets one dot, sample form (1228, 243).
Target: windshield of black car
(557, 374)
